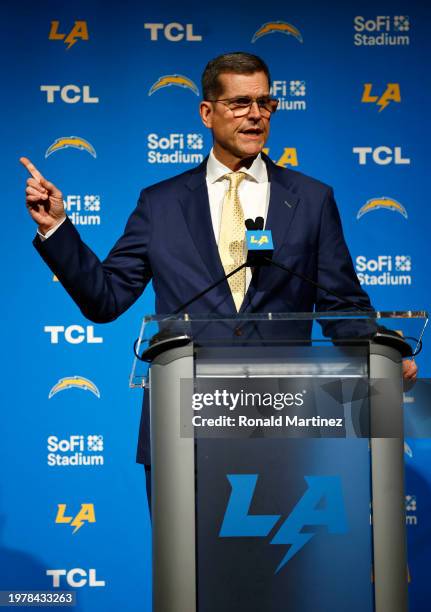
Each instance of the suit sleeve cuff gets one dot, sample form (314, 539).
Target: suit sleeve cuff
(50, 232)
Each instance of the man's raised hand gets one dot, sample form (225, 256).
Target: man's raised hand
(43, 200)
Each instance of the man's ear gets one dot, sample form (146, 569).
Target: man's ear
(206, 112)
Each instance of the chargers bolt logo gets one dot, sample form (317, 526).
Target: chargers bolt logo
(392, 93)
(173, 79)
(281, 27)
(75, 142)
(85, 515)
(79, 30)
(308, 512)
(74, 382)
(383, 202)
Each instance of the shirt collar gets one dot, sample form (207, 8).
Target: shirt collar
(216, 170)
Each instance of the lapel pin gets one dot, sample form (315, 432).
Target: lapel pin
(287, 204)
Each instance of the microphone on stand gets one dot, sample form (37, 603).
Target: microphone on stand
(255, 224)
(259, 243)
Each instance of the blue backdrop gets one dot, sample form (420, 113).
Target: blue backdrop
(103, 97)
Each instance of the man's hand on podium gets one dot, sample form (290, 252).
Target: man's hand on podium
(43, 200)
(410, 370)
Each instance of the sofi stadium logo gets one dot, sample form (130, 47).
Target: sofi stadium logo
(291, 95)
(75, 451)
(321, 505)
(83, 209)
(175, 148)
(382, 30)
(384, 270)
(411, 511)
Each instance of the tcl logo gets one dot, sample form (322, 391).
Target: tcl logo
(73, 334)
(381, 155)
(71, 94)
(173, 32)
(75, 577)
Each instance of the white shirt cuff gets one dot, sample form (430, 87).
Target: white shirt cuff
(50, 232)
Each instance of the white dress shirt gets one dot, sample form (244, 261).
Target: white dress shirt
(253, 193)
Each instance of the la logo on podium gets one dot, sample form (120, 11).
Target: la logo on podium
(321, 504)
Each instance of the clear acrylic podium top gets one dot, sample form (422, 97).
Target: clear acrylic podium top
(401, 329)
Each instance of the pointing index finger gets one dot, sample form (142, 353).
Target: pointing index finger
(31, 168)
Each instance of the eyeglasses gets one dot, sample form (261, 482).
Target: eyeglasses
(241, 105)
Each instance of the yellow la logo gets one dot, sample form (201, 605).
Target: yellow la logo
(262, 240)
(86, 514)
(79, 30)
(288, 158)
(391, 94)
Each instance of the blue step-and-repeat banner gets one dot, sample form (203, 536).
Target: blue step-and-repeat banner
(103, 97)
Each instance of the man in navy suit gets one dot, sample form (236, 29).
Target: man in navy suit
(173, 235)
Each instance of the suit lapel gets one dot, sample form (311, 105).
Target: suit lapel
(283, 203)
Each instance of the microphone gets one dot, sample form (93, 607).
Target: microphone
(259, 243)
(254, 224)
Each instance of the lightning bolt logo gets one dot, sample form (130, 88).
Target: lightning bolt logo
(85, 515)
(75, 142)
(306, 514)
(321, 504)
(392, 93)
(281, 27)
(79, 31)
(173, 79)
(382, 103)
(383, 202)
(74, 382)
(77, 523)
(262, 240)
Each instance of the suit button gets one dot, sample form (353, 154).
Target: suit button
(238, 331)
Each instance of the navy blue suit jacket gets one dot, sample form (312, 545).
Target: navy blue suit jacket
(169, 238)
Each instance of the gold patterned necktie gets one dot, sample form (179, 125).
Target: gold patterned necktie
(232, 237)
